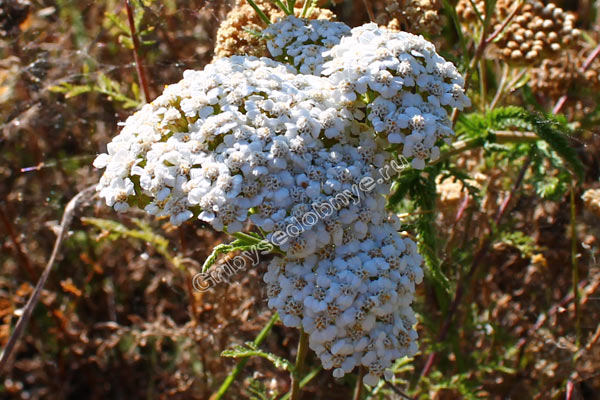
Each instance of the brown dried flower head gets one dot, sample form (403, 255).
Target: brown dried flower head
(236, 35)
(591, 199)
(537, 31)
(414, 16)
(554, 77)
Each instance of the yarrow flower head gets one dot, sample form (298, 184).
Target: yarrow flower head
(296, 153)
(409, 88)
(303, 42)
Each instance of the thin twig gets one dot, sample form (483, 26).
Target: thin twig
(397, 391)
(575, 266)
(504, 24)
(500, 87)
(136, 52)
(35, 296)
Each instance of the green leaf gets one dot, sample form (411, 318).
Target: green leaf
(223, 249)
(548, 128)
(144, 233)
(250, 349)
(420, 186)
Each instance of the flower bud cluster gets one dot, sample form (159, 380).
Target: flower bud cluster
(554, 77)
(537, 30)
(249, 140)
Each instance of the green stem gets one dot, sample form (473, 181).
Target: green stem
(242, 363)
(359, 383)
(575, 266)
(305, 8)
(482, 84)
(299, 367)
(260, 13)
(501, 137)
(283, 7)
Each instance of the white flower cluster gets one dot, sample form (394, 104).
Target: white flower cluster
(303, 42)
(234, 137)
(251, 140)
(353, 295)
(414, 87)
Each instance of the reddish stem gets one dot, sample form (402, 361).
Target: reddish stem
(136, 52)
(588, 62)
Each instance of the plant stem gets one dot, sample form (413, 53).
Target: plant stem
(260, 13)
(484, 41)
(369, 11)
(242, 363)
(501, 137)
(575, 266)
(359, 384)
(136, 52)
(300, 357)
(398, 391)
(482, 84)
(65, 222)
(305, 9)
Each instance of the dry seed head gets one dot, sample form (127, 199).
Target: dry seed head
(234, 36)
(591, 199)
(535, 32)
(554, 77)
(414, 16)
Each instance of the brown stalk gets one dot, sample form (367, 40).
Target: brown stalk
(359, 384)
(35, 296)
(136, 52)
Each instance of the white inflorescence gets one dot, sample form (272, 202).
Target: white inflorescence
(297, 155)
(413, 86)
(303, 42)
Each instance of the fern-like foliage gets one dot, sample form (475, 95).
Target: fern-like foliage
(550, 129)
(249, 349)
(420, 187)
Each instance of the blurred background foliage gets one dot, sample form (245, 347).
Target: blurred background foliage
(511, 306)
